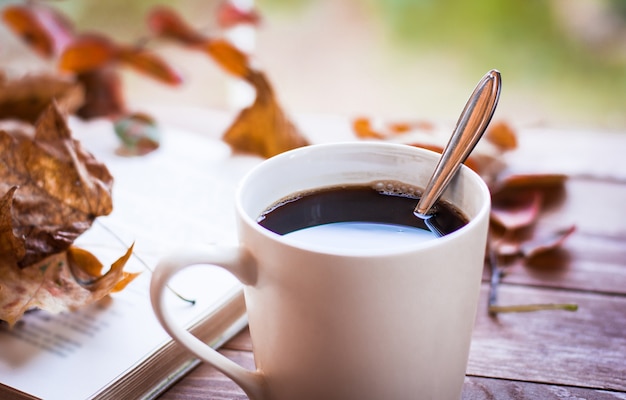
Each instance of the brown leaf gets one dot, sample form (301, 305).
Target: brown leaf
(149, 64)
(166, 23)
(502, 135)
(61, 187)
(52, 283)
(231, 59)
(26, 98)
(44, 29)
(540, 181)
(263, 128)
(11, 247)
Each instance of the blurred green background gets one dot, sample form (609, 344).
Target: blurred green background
(563, 62)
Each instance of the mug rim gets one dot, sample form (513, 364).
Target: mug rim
(250, 221)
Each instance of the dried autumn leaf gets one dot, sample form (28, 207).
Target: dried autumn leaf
(535, 245)
(26, 98)
(508, 181)
(362, 128)
(149, 64)
(61, 282)
(87, 53)
(541, 245)
(516, 210)
(91, 52)
(228, 57)
(44, 29)
(166, 23)
(263, 128)
(61, 188)
(87, 271)
(502, 135)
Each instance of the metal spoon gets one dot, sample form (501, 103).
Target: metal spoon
(469, 129)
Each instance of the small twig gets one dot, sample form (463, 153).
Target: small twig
(141, 260)
(494, 309)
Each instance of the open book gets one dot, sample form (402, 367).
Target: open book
(180, 195)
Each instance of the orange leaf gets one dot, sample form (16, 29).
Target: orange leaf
(149, 64)
(87, 271)
(263, 128)
(502, 135)
(363, 129)
(228, 57)
(166, 23)
(45, 30)
(87, 53)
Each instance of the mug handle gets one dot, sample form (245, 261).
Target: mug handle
(240, 263)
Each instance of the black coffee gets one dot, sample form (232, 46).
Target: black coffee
(387, 202)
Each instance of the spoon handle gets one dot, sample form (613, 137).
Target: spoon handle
(469, 129)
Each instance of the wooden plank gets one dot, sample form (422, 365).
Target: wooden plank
(586, 348)
(596, 207)
(476, 388)
(205, 382)
(586, 263)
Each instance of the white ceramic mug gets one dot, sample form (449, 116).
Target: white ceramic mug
(333, 324)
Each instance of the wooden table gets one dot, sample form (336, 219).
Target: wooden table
(543, 354)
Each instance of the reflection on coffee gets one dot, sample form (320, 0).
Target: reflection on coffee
(357, 216)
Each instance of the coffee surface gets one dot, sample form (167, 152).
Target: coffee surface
(390, 203)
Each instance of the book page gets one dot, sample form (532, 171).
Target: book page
(180, 195)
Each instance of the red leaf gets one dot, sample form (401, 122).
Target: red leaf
(515, 210)
(166, 23)
(229, 15)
